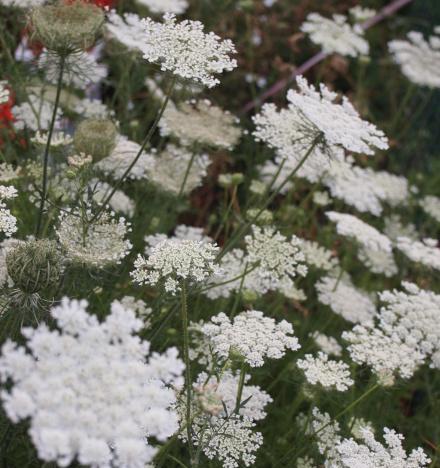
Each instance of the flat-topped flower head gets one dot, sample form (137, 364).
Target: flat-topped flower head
(250, 335)
(367, 236)
(338, 123)
(172, 261)
(8, 222)
(425, 252)
(276, 255)
(104, 243)
(186, 51)
(419, 59)
(328, 373)
(165, 6)
(431, 206)
(336, 35)
(116, 397)
(201, 123)
(369, 453)
(126, 29)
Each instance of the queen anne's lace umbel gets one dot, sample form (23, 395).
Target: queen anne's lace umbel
(250, 335)
(172, 261)
(88, 390)
(339, 124)
(419, 59)
(425, 252)
(326, 372)
(336, 35)
(165, 6)
(185, 50)
(372, 454)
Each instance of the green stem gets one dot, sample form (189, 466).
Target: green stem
(212, 286)
(242, 231)
(240, 387)
(188, 169)
(188, 383)
(226, 214)
(139, 154)
(47, 149)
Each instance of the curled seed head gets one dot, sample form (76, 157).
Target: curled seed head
(35, 265)
(96, 137)
(66, 27)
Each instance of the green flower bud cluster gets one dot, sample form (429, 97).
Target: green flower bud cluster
(65, 27)
(95, 137)
(35, 265)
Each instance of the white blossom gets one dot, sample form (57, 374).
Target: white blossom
(339, 124)
(35, 114)
(173, 261)
(326, 372)
(317, 256)
(103, 243)
(250, 335)
(127, 29)
(344, 299)
(93, 109)
(372, 454)
(378, 261)
(419, 59)
(394, 228)
(361, 14)
(431, 205)
(200, 122)
(185, 50)
(425, 252)
(122, 156)
(89, 390)
(327, 344)
(8, 222)
(24, 4)
(367, 236)
(165, 6)
(4, 92)
(336, 35)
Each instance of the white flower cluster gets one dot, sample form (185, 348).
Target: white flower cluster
(103, 243)
(378, 261)
(185, 50)
(4, 92)
(387, 356)
(22, 3)
(413, 315)
(317, 256)
(165, 6)
(88, 390)
(8, 222)
(224, 391)
(372, 454)
(362, 14)
(119, 202)
(394, 228)
(36, 114)
(328, 344)
(419, 59)
(138, 306)
(8, 172)
(367, 236)
(425, 252)
(127, 29)
(339, 123)
(336, 35)
(173, 261)
(250, 335)
(431, 206)
(328, 373)
(122, 156)
(279, 260)
(344, 299)
(327, 434)
(200, 122)
(58, 139)
(167, 170)
(81, 69)
(93, 109)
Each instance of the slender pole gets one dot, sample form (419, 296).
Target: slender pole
(188, 381)
(240, 387)
(47, 149)
(188, 169)
(387, 11)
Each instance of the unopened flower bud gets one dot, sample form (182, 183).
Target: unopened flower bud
(249, 296)
(95, 137)
(66, 27)
(35, 265)
(265, 217)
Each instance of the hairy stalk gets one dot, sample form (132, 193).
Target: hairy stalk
(188, 381)
(188, 169)
(242, 231)
(139, 154)
(240, 387)
(47, 149)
